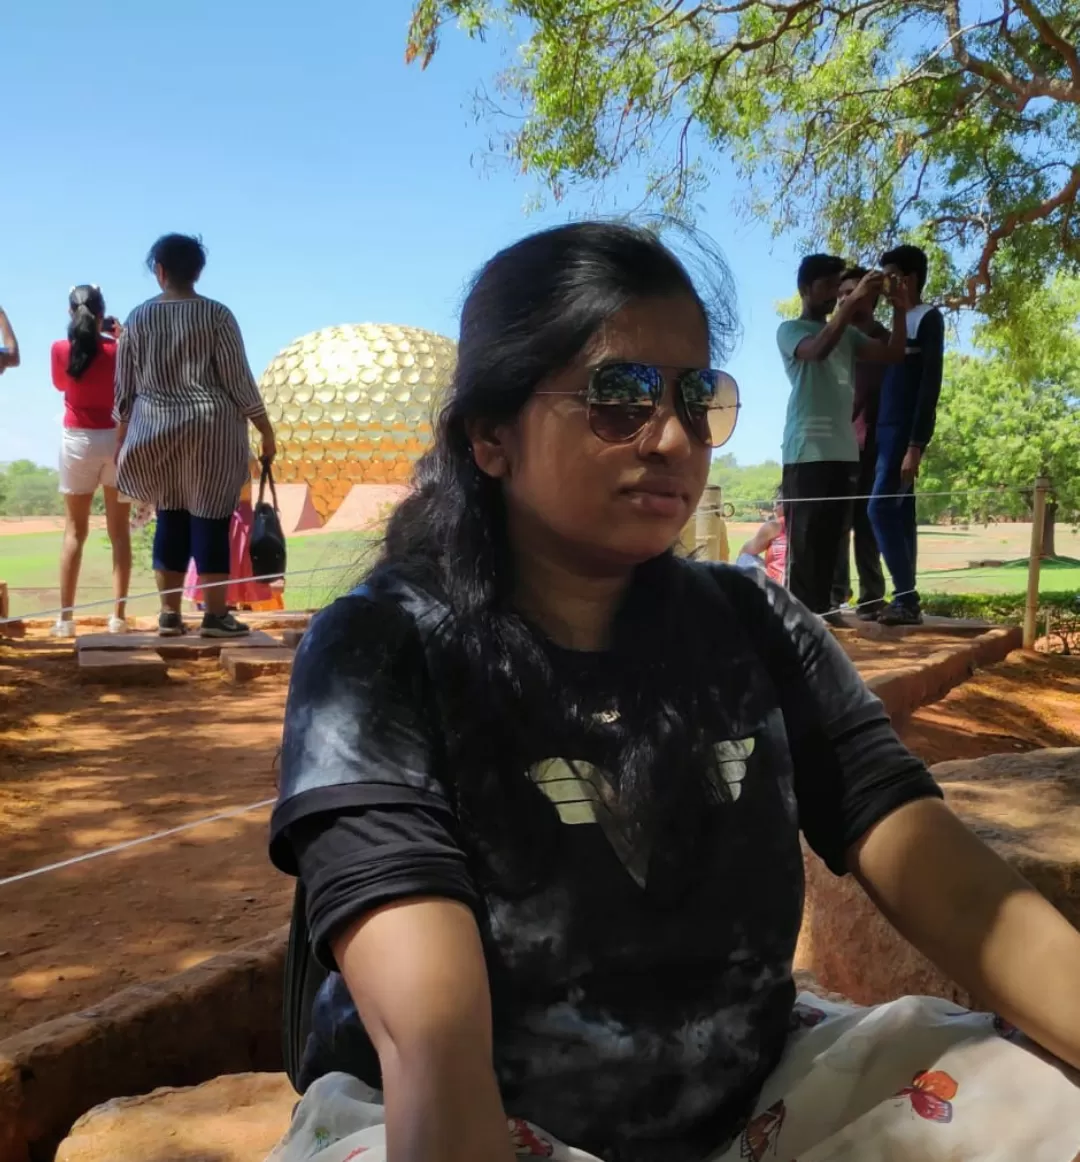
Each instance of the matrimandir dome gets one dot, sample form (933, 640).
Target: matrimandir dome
(354, 405)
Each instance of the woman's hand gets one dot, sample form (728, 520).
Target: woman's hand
(966, 909)
(417, 974)
(9, 357)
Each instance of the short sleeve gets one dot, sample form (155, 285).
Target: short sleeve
(851, 769)
(233, 367)
(788, 337)
(358, 719)
(856, 339)
(352, 862)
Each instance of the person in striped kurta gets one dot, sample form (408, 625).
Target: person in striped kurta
(184, 397)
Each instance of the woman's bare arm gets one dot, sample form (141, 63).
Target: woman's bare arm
(762, 539)
(978, 920)
(417, 974)
(8, 340)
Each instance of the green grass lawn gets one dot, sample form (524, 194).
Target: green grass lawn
(321, 567)
(29, 563)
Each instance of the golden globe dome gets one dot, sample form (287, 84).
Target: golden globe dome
(354, 405)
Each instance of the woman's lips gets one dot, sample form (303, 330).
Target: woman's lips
(659, 500)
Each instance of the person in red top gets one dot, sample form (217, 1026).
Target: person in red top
(84, 369)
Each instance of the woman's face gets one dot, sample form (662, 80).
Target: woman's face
(600, 506)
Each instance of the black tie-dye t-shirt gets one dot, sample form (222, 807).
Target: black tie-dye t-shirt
(641, 992)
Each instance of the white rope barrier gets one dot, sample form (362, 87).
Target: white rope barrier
(771, 503)
(130, 843)
(107, 601)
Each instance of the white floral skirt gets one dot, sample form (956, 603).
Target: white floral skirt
(917, 1080)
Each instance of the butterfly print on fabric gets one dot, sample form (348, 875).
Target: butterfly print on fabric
(584, 793)
(526, 1141)
(931, 1096)
(805, 1017)
(760, 1136)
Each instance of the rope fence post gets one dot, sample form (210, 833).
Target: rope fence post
(707, 532)
(1038, 527)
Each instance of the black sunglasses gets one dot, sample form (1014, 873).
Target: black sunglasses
(623, 398)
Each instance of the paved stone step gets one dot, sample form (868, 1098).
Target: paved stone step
(293, 637)
(246, 665)
(188, 647)
(122, 667)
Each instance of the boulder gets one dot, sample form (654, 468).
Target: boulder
(236, 1118)
(1025, 806)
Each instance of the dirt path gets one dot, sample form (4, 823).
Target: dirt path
(82, 768)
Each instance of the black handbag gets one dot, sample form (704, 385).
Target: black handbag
(268, 555)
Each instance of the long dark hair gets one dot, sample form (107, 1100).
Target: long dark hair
(87, 310)
(530, 311)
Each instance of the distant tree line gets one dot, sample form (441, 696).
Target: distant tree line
(29, 489)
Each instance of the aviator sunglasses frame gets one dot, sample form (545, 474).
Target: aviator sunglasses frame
(603, 414)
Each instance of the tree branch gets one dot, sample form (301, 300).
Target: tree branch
(1050, 36)
(981, 278)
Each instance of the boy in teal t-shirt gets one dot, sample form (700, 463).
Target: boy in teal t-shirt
(821, 452)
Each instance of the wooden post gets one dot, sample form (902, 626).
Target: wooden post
(688, 537)
(708, 514)
(1038, 523)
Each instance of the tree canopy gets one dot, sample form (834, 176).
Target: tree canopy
(1010, 413)
(953, 123)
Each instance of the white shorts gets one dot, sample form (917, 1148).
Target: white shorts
(87, 460)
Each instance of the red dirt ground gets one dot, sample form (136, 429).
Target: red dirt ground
(83, 767)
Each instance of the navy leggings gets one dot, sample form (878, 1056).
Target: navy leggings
(892, 513)
(179, 536)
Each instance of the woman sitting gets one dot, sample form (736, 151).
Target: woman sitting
(544, 784)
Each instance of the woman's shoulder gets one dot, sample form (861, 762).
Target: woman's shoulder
(383, 614)
(752, 597)
(61, 348)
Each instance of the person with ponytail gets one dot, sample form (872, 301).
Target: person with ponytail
(544, 783)
(84, 369)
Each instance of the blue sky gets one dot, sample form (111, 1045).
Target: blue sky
(330, 182)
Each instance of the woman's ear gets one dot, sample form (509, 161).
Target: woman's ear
(488, 441)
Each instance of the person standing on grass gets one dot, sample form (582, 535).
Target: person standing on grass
(184, 397)
(820, 452)
(906, 418)
(84, 369)
(868, 379)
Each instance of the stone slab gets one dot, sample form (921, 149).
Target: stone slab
(1025, 806)
(904, 689)
(234, 1118)
(188, 647)
(13, 629)
(247, 665)
(122, 668)
(223, 1016)
(953, 626)
(293, 637)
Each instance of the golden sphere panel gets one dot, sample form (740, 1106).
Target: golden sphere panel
(355, 404)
